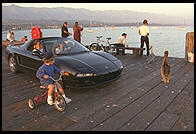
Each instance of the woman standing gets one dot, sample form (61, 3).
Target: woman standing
(77, 32)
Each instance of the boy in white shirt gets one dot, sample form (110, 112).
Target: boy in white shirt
(121, 43)
(144, 32)
(122, 39)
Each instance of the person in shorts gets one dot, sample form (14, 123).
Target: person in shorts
(46, 70)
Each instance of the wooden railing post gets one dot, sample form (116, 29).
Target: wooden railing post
(189, 49)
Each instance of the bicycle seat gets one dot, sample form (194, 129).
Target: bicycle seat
(108, 38)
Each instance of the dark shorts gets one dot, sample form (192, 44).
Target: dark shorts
(46, 83)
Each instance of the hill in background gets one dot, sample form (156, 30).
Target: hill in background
(109, 16)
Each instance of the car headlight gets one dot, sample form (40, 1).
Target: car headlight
(85, 75)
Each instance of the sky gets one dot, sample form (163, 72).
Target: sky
(185, 10)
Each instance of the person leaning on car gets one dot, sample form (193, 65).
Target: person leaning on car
(37, 49)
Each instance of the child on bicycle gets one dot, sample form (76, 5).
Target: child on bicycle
(46, 70)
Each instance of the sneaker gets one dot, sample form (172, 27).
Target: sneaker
(49, 100)
(67, 99)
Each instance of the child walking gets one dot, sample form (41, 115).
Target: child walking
(46, 70)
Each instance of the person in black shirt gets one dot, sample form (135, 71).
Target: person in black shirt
(64, 30)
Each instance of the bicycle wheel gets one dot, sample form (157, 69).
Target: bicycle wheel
(31, 104)
(95, 47)
(60, 103)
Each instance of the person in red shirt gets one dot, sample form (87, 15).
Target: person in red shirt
(24, 39)
(77, 32)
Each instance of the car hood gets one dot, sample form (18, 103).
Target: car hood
(88, 62)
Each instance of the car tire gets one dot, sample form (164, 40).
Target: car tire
(13, 64)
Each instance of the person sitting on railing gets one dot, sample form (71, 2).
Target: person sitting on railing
(10, 36)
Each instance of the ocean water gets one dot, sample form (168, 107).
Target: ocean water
(163, 38)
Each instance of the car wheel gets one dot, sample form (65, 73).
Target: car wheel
(13, 64)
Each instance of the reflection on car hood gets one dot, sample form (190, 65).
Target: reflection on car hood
(88, 63)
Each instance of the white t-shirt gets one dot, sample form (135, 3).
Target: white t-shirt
(143, 30)
(121, 40)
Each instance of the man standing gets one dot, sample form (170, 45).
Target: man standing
(64, 30)
(144, 32)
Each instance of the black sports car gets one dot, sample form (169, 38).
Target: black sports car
(84, 67)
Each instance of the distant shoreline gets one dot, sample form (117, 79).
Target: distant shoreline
(18, 27)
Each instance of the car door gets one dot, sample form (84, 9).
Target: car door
(27, 60)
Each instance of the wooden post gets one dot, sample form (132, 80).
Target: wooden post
(189, 45)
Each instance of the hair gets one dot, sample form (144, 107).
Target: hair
(35, 43)
(65, 22)
(145, 22)
(76, 24)
(124, 34)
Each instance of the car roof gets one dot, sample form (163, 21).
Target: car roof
(50, 37)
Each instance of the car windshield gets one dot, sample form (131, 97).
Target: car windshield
(64, 46)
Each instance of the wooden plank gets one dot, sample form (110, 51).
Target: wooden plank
(50, 115)
(86, 104)
(19, 113)
(115, 97)
(46, 123)
(142, 120)
(164, 122)
(125, 114)
(171, 95)
(183, 106)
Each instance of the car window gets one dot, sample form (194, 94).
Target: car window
(68, 46)
(31, 45)
(50, 45)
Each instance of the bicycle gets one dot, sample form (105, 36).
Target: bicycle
(98, 46)
(59, 101)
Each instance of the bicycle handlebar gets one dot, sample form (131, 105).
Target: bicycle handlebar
(60, 77)
(99, 37)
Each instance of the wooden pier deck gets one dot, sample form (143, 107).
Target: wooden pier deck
(137, 101)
